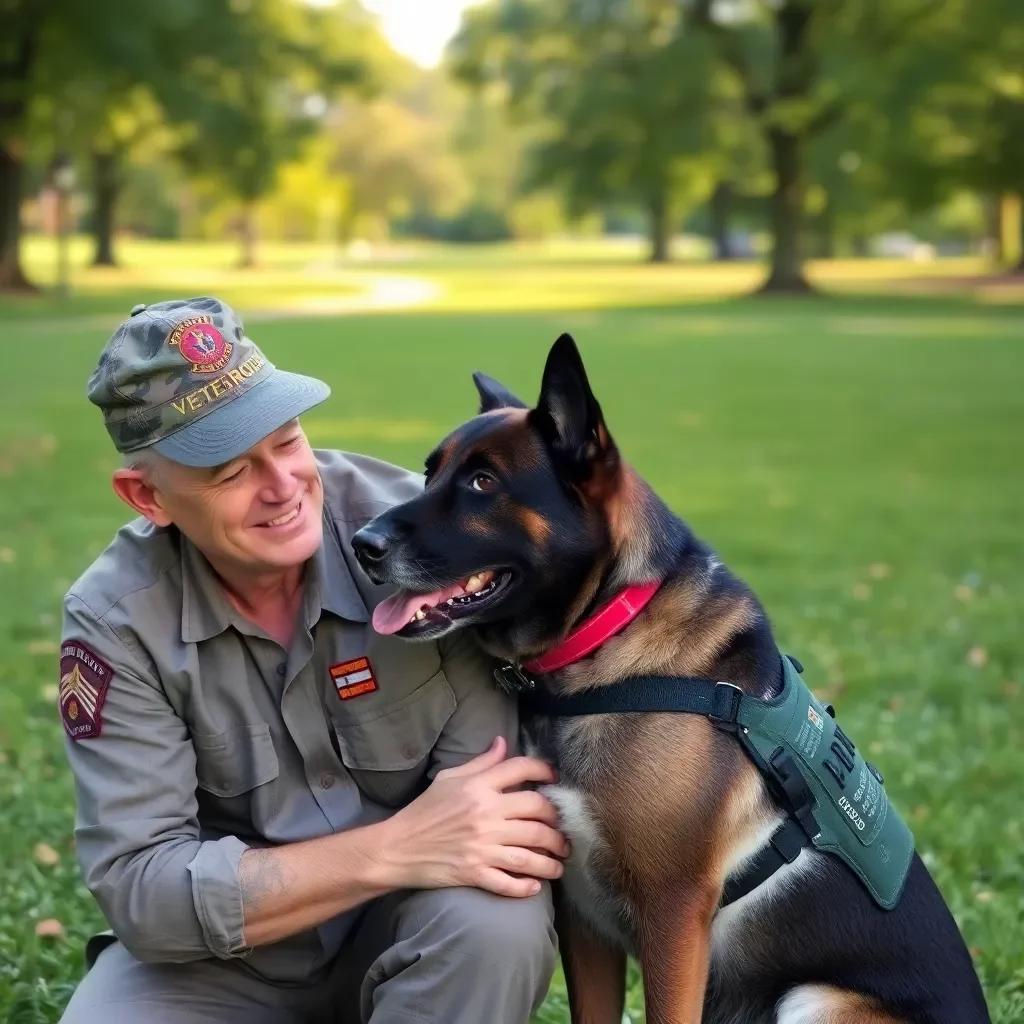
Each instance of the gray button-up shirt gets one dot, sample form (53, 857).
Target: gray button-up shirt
(210, 738)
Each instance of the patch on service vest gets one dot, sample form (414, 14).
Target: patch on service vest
(857, 821)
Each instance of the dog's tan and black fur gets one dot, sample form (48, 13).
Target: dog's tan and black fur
(660, 808)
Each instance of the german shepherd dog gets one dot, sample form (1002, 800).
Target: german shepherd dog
(529, 521)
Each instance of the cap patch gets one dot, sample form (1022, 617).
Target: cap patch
(353, 678)
(201, 344)
(84, 680)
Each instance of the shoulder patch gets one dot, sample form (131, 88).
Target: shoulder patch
(84, 680)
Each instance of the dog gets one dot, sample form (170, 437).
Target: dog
(529, 523)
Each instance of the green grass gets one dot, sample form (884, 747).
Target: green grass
(857, 460)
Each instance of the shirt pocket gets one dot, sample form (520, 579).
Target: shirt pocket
(387, 752)
(234, 762)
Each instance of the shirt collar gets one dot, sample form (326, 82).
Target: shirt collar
(206, 612)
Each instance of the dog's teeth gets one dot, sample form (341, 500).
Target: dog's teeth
(473, 584)
(451, 600)
(419, 615)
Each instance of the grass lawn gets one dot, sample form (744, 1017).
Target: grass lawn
(857, 459)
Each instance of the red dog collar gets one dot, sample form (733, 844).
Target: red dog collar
(601, 626)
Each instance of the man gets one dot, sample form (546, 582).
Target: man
(283, 816)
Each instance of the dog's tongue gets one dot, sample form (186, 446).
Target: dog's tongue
(396, 611)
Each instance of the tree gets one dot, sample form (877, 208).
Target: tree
(44, 47)
(622, 92)
(803, 65)
(392, 160)
(252, 108)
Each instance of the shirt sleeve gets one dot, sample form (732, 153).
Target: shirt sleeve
(167, 895)
(482, 710)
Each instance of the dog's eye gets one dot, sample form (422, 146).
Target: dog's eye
(481, 481)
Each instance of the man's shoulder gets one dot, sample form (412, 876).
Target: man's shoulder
(139, 558)
(359, 487)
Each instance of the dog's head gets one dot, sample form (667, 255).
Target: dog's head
(523, 515)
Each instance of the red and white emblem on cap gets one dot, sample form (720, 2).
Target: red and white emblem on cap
(353, 678)
(201, 343)
(84, 680)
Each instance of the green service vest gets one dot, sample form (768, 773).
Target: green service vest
(856, 820)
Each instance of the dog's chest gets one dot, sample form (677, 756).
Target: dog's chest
(587, 881)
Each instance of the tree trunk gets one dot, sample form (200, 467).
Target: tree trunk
(786, 273)
(1019, 268)
(12, 277)
(660, 226)
(248, 233)
(106, 186)
(17, 56)
(827, 227)
(721, 207)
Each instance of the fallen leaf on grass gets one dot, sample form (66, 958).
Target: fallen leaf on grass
(878, 570)
(43, 647)
(861, 591)
(46, 855)
(7, 555)
(50, 928)
(977, 656)
(984, 896)
(964, 592)
(896, 704)
(1011, 689)
(50, 692)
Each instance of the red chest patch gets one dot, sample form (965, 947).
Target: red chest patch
(84, 680)
(353, 678)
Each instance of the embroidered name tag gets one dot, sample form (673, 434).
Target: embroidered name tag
(84, 680)
(353, 678)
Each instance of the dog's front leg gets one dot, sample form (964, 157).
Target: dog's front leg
(595, 973)
(674, 957)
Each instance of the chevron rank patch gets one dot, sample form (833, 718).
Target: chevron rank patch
(353, 678)
(84, 680)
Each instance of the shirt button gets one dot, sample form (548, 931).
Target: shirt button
(408, 752)
(326, 780)
(281, 669)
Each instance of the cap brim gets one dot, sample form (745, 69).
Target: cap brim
(242, 423)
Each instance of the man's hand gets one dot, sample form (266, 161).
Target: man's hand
(466, 830)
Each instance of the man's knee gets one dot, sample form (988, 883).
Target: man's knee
(515, 932)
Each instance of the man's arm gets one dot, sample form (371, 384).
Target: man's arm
(166, 894)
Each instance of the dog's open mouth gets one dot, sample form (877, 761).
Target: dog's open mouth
(409, 613)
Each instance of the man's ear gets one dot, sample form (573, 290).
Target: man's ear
(494, 395)
(131, 487)
(570, 420)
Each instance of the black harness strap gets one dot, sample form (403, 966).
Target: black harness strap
(783, 848)
(720, 703)
(688, 694)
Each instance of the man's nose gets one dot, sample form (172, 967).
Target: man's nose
(371, 545)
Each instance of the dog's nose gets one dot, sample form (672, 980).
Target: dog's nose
(371, 546)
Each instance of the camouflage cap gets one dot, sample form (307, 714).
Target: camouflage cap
(182, 378)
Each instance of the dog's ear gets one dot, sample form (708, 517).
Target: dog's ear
(494, 395)
(569, 418)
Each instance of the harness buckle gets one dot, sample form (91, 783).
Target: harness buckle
(725, 706)
(513, 681)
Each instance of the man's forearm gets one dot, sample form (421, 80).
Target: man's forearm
(287, 889)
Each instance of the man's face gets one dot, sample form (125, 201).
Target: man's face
(261, 511)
